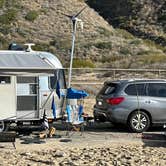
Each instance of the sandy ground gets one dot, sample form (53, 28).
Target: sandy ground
(99, 144)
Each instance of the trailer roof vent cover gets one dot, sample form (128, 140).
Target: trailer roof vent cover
(29, 46)
(15, 47)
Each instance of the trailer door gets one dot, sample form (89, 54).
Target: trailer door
(27, 98)
(7, 98)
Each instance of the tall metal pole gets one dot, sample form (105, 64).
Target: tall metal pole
(72, 50)
(74, 20)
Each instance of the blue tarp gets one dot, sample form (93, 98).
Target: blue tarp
(76, 94)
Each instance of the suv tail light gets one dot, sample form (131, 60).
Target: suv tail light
(115, 101)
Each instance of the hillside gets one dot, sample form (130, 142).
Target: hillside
(145, 18)
(99, 45)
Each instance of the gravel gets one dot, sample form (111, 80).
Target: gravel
(115, 154)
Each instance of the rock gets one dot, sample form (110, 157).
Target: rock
(26, 154)
(74, 157)
(87, 155)
(59, 153)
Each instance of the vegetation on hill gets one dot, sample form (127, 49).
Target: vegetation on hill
(145, 19)
(98, 45)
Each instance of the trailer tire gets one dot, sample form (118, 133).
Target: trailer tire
(4, 126)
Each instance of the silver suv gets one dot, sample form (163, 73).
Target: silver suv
(137, 103)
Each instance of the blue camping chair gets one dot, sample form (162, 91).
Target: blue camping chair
(75, 112)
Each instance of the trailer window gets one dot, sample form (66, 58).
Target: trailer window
(61, 79)
(53, 82)
(4, 80)
(43, 83)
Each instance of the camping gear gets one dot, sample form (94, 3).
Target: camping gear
(76, 94)
(45, 124)
(75, 110)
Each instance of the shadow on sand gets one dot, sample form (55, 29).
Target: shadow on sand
(154, 139)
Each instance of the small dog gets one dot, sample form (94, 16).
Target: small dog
(51, 132)
(47, 133)
(44, 134)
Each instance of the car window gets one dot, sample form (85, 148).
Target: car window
(135, 89)
(157, 89)
(108, 89)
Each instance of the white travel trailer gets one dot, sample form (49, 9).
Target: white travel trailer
(28, 81)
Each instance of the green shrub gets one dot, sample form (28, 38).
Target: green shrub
(80, 63)
(123, 33)
(124, 51)
(8, 17)
(41, 47)
(122, 20)
(105, 59)
(2, 40)
(22, 32)
(144, 52)
(88, 45)
(9, 4)
(162, 18)
(110, 59)
(104, 31)
(154, 58)
(31, 15)
(1, 3)
(64, 44)
(135, 42)
(151, 44)
(4, 43)
(116, 58)
(103, 45)
(100, 45)
(5, 29)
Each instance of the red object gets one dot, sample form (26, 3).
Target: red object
(115, 101)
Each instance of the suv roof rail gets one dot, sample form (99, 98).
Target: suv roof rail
(132, 80)
(142, 79)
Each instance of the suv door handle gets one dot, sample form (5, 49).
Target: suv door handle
(148, 102)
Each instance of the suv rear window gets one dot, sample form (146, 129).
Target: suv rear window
(135, 89)
(157, 89)
(109, 89)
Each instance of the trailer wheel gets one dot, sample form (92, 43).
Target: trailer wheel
(3, 126)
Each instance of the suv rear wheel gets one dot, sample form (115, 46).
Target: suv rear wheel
(139, 121)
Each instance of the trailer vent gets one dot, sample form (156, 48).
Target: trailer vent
(15, 47)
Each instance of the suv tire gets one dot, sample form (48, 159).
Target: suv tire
(139, 121)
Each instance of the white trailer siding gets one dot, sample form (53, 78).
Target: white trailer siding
(17, 98)
(7, 99)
